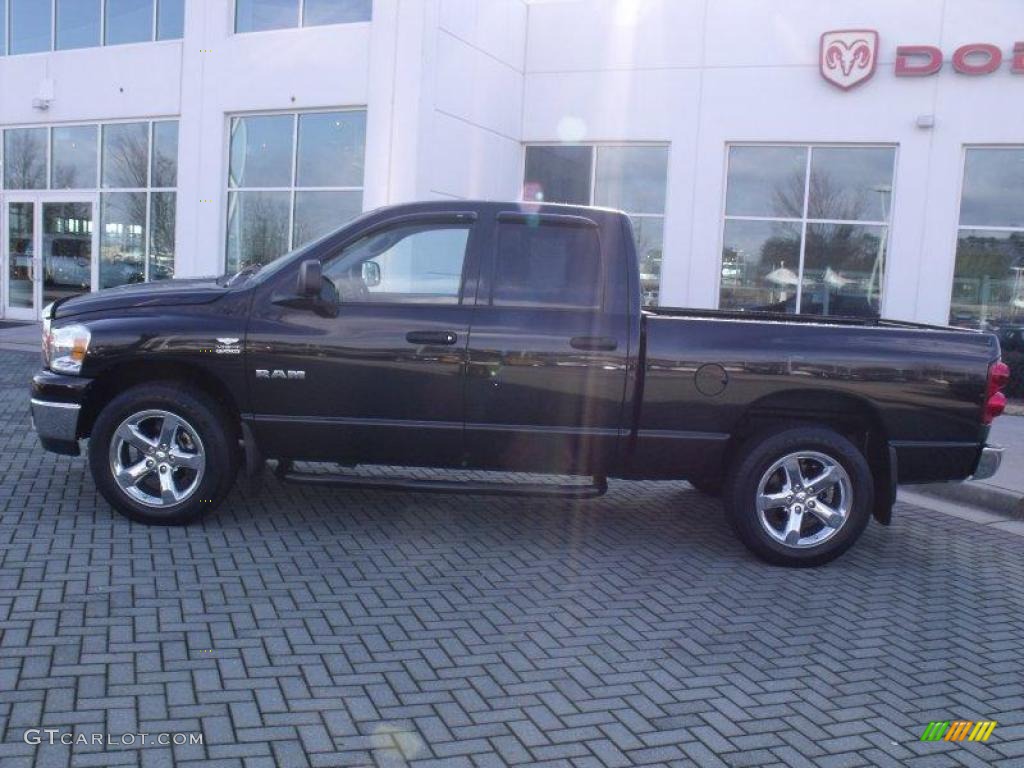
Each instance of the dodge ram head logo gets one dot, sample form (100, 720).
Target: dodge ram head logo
(848, 56)
(228, 345)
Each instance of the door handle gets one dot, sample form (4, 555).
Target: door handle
(594, 343)
(437, 338)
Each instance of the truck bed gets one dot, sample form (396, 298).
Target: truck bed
(776, 317)
(709, 374)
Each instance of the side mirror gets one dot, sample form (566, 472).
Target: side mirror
(310, 278)
(371, 274)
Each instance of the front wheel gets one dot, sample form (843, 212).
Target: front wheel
(799, 496)
(162, 454)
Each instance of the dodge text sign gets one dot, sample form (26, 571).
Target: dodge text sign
(848, 57)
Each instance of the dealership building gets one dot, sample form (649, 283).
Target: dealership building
(814, 157)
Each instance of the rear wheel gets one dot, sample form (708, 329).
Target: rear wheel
(799, 496)
(164, 455)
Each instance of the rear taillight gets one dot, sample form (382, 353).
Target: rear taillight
(995, 400)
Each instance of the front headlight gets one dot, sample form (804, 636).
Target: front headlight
(64, 348)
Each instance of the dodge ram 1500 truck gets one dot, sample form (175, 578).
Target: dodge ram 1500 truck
(507, 336)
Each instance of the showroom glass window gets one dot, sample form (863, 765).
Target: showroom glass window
(632, 177)
(806, 229)
(988, 283)
(260, 15)
(35, 26)
(132, 166)
(291, 178)
(138, 202)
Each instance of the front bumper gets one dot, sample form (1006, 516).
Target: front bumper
(57, 425)
(988, 464)
(56, 406)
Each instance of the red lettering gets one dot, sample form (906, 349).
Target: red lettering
(990, 58)
(1017, 67)
(929, 60)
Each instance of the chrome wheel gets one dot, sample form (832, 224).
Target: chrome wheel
(157, 458)
(804, 499)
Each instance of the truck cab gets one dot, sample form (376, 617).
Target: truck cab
(463, 336)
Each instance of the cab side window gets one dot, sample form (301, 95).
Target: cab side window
(542, 264)
(405, 264)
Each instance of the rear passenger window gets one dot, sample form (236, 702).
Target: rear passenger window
(543, 264)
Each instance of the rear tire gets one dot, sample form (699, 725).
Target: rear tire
(799, 496)
(163, 454)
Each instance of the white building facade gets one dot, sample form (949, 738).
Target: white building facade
(805, 156)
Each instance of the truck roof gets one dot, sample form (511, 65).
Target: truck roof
(480, 206)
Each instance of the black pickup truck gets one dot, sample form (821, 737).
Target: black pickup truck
(507, 336)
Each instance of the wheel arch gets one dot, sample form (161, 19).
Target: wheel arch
(852, 416)
(118, 378)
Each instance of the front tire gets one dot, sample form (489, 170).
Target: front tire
(799, 496)
(162, 454)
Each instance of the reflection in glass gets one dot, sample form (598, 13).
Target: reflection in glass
(20, 250)
(335, 11)
(257, 227)
(558, 174)
(850, 183)
(162, 219)
(73, 157)
(648, 234)
(766, 181)
(78, 24)
(170, 19)
(261, 151)
(551, 265)
(631, 178)
(165, 154)
(317, 213)
(843, 269)
(331, 149)
(3, 34)
(125, 155)
(412, 264)
(258, 15)
(67, 250)
(25, 158)
(122, 238)
(760, 265)
(988, 284)
(128, 21)
(30, 26)
(993, 188)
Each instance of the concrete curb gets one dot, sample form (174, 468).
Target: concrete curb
(983, 517)
(1001, 502)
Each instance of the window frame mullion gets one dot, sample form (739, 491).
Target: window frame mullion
(803, 232)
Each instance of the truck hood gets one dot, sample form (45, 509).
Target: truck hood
(165, 293)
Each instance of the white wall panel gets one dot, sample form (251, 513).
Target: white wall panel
(576, 35)
(479, 89)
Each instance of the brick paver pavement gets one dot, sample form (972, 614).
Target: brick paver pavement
(326, 627)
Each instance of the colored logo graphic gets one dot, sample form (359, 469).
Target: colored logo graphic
(848, 56)
(958, 730)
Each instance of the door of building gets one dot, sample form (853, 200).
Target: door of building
(50, 247)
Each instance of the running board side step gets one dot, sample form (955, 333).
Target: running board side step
(345, 480)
